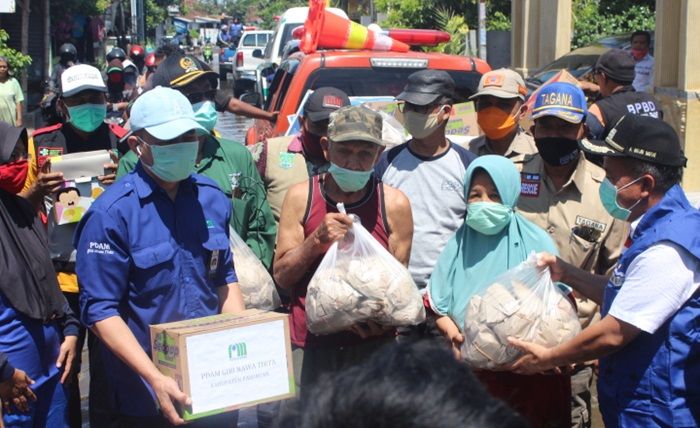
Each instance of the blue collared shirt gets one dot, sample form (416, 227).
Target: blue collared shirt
(151, 260)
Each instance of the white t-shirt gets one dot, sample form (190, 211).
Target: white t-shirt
(435, 188)
(644, 74)
(657, 283)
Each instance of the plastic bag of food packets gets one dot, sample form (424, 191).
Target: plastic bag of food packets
(523, 303)
(358, 280)
(256, 284)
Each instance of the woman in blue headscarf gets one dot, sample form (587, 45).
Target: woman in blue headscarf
(493, 239)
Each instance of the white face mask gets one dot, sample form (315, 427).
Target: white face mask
(421, 125)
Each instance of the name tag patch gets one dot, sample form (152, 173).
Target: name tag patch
(47, 152)
(530, 184)
(587, 222)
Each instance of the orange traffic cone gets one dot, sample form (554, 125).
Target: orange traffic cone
(327, 30)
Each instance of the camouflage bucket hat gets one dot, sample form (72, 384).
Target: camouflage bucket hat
(356, 123)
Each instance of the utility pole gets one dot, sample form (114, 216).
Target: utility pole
(134, 20)
(482, 29)
(142, 23)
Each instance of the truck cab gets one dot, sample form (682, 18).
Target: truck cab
(358, 73)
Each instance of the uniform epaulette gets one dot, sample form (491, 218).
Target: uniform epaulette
(47, 129)
(116, 191)
(528, 157)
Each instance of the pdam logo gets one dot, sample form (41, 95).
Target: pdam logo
(237, 351)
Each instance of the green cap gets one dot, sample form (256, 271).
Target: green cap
(356, 123)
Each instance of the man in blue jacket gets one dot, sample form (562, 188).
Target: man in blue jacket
(154, 248)
(648, 340)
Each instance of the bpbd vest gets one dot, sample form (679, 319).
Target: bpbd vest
(655, 379)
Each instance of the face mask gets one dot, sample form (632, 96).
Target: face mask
(638, 54)
(205, 114)
(311, 144)
(421, 125)
(608, 196)
(488, 218)
(87, 117)
(349, 180)
(495, 123)
(173, 162)
(557, 151)
(13, 175)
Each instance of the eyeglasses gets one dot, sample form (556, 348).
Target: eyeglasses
(198, 97)
(404, 107)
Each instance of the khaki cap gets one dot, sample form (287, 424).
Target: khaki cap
(501, 83)
(352, 123)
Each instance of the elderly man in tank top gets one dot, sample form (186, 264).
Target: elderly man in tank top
(310, 223)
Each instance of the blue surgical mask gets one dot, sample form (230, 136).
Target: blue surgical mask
(87, 117)
(205, 114)
(488, 218)
(608, 196)
(349, 180)
(173, 162)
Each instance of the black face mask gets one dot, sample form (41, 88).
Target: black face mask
(311, 144)
(557, 151)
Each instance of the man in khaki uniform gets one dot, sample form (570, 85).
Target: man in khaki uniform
(288, 160)
(499, 105)
(560, 194)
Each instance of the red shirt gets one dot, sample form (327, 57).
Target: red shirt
(372, 215)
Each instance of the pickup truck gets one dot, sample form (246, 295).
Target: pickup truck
(358, 73)
(247, 58)
(239, 60)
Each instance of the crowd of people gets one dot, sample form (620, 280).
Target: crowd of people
(594, 191)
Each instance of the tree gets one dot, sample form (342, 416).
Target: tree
(594, 19)
(18, 62)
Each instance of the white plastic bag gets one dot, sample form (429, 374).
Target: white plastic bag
(358, 280)
(256, 284)
(522, 303)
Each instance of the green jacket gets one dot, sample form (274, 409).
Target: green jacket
(252, 218)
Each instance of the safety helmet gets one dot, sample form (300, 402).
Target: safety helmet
(136, 51)
(116, 53)
(68, 52)
(150, 59)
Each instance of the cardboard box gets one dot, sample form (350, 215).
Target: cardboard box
(228, 361)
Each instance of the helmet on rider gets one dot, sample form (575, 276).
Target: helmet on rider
(68, 53)
(116, 53)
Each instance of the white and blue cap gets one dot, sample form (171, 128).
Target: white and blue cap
(560, 99)
(164, 113)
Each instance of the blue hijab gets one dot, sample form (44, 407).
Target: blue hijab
(471, 260)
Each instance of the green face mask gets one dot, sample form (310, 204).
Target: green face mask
(87, 117)
(174, 162)
(608, 196)
(488, 218)
(205, 114)
(349, 180)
